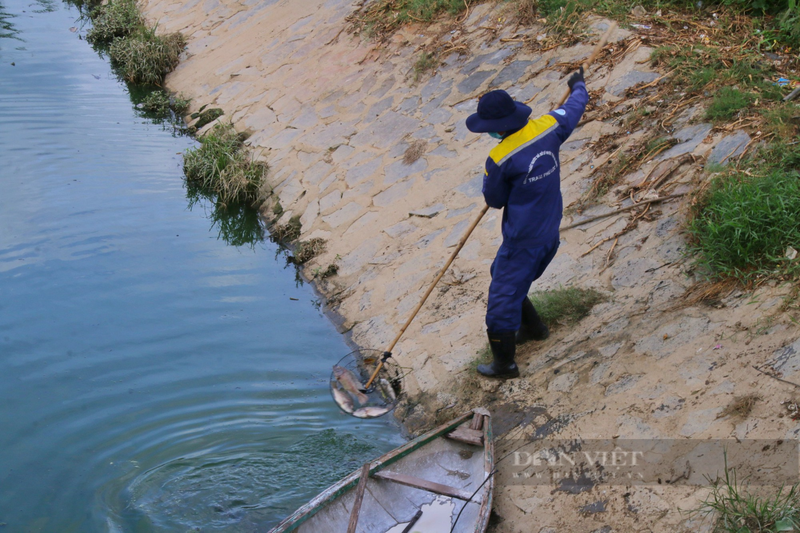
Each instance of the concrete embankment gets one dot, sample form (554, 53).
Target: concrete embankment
(382, 167)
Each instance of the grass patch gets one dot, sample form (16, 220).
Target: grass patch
(783, 122)
(742, 225)
(223, 167)
(207, 116)
(426, 62)
(705, 68)
(119, 18)
(565, 305)
(144, 57)
(727, 103)
(160, 103)
(483, 357)
(739, 511)
(382, 17)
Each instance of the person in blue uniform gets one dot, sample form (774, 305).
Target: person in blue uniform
(523, 178)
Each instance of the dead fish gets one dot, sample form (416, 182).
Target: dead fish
(370, 412)
(388, 391)
(350, 383)
(343, 400)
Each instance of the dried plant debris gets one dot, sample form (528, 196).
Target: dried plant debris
(307, 250)
(288, 232)
(741, 407)
(414, 152)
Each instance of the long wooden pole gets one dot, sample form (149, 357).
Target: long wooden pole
(429, 291)
(596, 52)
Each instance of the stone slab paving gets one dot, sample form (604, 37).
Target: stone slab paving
(334, 116)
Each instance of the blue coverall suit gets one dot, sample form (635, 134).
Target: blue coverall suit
(523, 177)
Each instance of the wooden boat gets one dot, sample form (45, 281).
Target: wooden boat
(420, 487)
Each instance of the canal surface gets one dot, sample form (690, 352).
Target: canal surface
(153, 377)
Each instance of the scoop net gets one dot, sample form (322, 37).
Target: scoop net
(353, 371)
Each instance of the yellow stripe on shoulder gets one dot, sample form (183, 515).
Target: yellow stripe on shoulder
(532, 131)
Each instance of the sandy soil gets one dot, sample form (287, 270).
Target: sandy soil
(334, 116)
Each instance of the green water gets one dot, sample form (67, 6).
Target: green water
(153, 377)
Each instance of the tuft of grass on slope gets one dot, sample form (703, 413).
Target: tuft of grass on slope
(144, 57)
(565, 305)
(160, 103)
(736, 510)
(426, 62)
(727, 103)
(382, 17)
(743, 225)
(223, 167)
(118, 18)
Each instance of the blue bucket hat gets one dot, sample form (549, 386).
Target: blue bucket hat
(497, 112)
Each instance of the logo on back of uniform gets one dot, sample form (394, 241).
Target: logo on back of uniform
(544, 174)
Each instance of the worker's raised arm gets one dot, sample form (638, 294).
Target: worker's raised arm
(569, 114)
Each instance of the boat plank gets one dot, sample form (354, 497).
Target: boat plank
(424, 484)
(489, 467)
(477, 422)
(467, 435)
(362, 485)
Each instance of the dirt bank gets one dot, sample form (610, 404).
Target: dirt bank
(383, 168)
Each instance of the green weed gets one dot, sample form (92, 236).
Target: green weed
(565, 305)
(223, 167)
(160, 103)
(727, 103)
(207, 116)
(702, 68)
(425, 63)
(739, 511)
(118, 18)
(483, 357)
(780, 155)
(742, 225)
(783, 121)
(144, 57)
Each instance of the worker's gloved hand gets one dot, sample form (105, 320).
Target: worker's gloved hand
(575, 78)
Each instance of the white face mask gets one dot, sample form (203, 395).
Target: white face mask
(495, 135)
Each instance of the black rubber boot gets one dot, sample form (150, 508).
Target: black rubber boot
(532, 328)
(503, 365)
